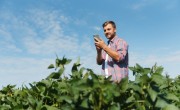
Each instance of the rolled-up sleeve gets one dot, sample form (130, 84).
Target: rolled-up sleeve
(122, 49)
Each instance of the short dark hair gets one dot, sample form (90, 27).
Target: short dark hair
(109, 22)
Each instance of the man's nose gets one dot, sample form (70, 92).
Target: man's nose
(106, 32)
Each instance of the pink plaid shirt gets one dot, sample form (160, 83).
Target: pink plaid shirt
(119, 69)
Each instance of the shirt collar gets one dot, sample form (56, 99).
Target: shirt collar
(112, 40)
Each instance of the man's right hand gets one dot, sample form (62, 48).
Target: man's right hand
(97, 47)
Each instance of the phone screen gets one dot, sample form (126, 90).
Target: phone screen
(96, 37)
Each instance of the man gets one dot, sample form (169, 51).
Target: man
(114, 56)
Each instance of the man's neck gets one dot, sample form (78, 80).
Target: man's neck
(112, 37)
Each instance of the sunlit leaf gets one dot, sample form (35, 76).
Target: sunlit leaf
(47, 107)
(115, 107)
(170, 107)
(152, 93)
(159, 70)
(66, 98)
(158, 79)
(161, 103)
(124, 84)
(54, 75)
(50, 66)
(172, 97)
(84, 103)
(130, 99)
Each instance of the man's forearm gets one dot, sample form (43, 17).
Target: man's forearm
(99, 58)
(113, 54)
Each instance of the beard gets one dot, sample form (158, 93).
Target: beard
(110, 35)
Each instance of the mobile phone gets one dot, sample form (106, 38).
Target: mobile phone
(96, 37)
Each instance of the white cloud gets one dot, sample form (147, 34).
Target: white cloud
(79, 22)
(40, 33)
(138, 6)
(52, 38)
(141, 4)
(97, 28)
(5, 35)
(50, 45)
(7, 42)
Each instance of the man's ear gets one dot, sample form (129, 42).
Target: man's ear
(115, 30)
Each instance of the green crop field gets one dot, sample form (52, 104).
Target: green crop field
(85, 90)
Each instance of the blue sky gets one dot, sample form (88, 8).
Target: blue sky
(33, 32)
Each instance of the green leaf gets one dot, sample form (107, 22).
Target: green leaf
(82, 70)
(61, 71)
(159, 70)
(170, 107)
(172, 97)
(39, 105)
(66, 98)
(35, 89)
(31, 100)
(84, 103)
(144, 79)
(139, 106)
(51, 66)
(136, 87)
(116, 93)
(152, 93)
(163, 86)
(115, 106)
(53, 75)
(75, 67)
(146, 70)
(130, 99)
(45, 83)
(56, 75)
(91, 98)
(5, 107)
(131, 68)
(158, 79)
(124, 84)
(66, 61)
(86, 76)
(138, 66)
(93, 76)
(161, 103)
(108, 96)
(67, 107)
(47, 107)
(57, 62)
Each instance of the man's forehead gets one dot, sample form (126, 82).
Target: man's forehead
(108, 26)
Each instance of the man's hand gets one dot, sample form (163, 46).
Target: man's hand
(97, 43)
(100, 44)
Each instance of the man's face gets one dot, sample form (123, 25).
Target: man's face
(109, 31)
